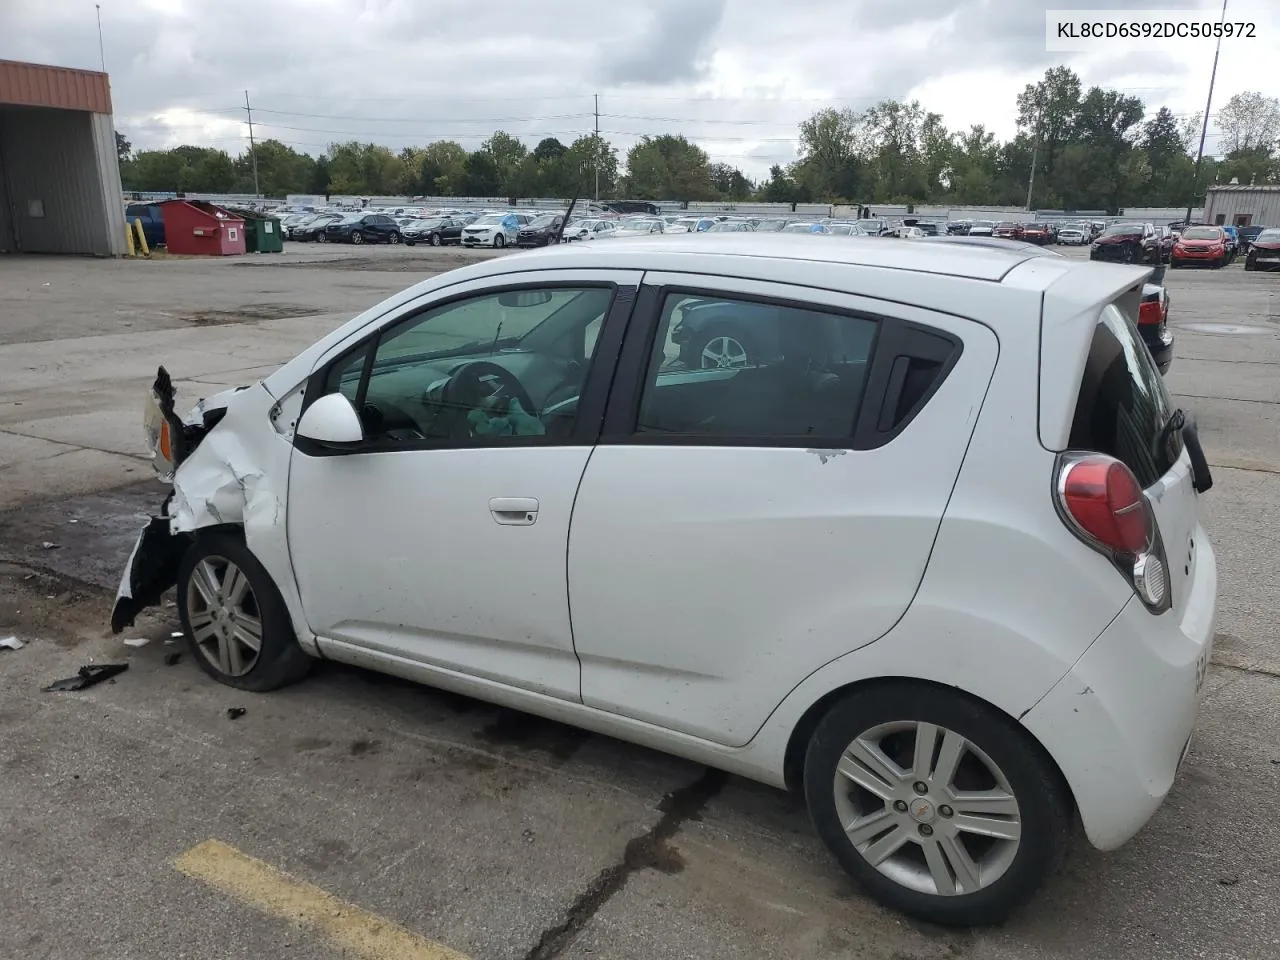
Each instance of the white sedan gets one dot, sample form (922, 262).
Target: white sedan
(933, 558)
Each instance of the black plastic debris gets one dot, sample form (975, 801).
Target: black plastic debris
(171, 658)
(235, 713)
(89, 675)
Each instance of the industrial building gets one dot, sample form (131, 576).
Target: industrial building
(59, 171)
(1243, 206)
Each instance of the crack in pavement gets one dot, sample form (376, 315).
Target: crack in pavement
(1197, 396)
(649, 849)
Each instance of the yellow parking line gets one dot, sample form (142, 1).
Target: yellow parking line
(356, 932)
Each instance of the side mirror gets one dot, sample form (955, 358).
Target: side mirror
(331, 422)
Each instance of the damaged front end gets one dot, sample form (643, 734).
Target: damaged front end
(152, 567)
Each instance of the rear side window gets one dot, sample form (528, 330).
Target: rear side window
(752, 371)
(1123, 406)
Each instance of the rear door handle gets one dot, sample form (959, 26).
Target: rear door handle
(514, 511)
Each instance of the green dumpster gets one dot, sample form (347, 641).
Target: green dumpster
(261, 233)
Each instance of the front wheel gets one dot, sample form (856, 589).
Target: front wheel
(357, 236)
(940, 806)
(322, 238)
(236, 624)
(499, 242)
(1250, 264)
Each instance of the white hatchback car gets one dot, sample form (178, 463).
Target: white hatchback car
(934, 558)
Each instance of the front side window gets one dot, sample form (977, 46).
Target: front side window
(776, 373)
(483, 370)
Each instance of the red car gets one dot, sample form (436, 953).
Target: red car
(1008, 230)
(1264, 251)
(1038, 233)
(1203, 245)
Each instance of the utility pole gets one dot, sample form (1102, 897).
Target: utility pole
(1204, 126)
(102, 57)
(253, 153)
(596, 150)
(1035, 149)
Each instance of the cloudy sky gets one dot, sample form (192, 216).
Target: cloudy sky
(734, 75)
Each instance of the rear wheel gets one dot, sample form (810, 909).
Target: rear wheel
(237, 626)
(435, 240)
(1250, 263)
(940, 806)
(322, 238)
(357, 236)
(394, 238)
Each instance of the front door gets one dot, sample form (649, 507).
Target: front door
(738, 527)
(442, 537)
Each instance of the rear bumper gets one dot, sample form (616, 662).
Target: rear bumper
(1118, 724)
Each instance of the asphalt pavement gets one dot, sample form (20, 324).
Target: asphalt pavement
(356, 815)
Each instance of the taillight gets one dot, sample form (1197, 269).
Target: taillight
(1102, 503)
(1150, 312)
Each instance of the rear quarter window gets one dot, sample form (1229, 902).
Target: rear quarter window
(1123, 406)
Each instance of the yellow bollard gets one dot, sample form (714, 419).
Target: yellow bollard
(128, 240)
(142, 238)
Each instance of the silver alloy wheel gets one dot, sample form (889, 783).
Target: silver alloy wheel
(395, 237)
(222, 611)
(927, 809)
(500, 241)
(723, 351)
(435, 239)
(357, 236)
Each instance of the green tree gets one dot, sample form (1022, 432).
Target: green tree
(1047, 112)
(482, 178)
(590, 159)
(124, 149)
(364, 168)
(781, 187)
(507, 153)
(975, 164)
(549, 149)
(668, 166)
(729, 182)
(281, 169)
(828, 164)
(1249, 122)
(443, 169)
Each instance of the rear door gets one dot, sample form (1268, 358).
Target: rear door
(737, 528)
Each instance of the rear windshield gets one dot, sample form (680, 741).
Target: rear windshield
(1123, 406)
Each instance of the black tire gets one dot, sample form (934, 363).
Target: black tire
(322, 238)
(436, 240)
(692, 352)
(357, 236)
(1043, 800)
(499, 242)
(394, 237)
(1219, 263)
(1250, 263)
(410, 243)
(280, 660)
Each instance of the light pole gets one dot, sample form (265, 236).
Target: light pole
(1204, 126)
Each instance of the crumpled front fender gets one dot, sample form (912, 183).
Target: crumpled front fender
(235, 476)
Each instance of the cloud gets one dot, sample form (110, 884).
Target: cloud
(736, 77)
(671, 47)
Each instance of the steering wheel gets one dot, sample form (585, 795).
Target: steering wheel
(468, 388)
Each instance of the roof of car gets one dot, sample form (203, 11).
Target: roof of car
(658, 252)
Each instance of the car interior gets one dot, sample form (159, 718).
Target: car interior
(521, 378)
(808, 384)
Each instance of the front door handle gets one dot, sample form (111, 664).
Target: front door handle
(514, 511)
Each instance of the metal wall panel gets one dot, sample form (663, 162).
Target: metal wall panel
(53, 172)
(37, 85)
(1261, 203)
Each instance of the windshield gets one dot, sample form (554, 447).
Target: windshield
(798, 228)
(1268, 236)
(843, 229)
(770, 226)
(1202, 233)
(979, 224)
(544, 221)
(1119, 229)
(873, 225)
(492, 219)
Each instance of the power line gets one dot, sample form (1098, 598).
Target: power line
(367, 119)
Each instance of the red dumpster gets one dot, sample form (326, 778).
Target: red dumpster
(194, 226)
